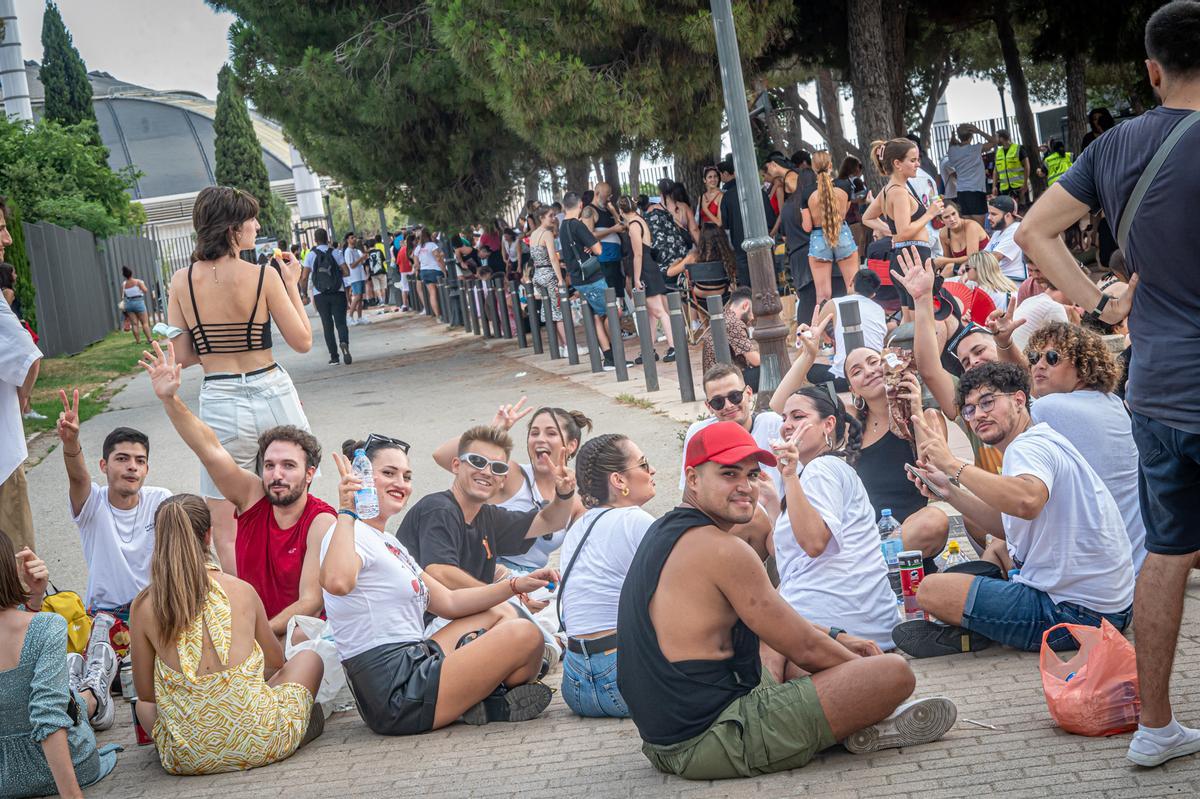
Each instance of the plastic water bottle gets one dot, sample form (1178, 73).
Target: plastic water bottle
(952, 556)
(366, 501)
(891, 545)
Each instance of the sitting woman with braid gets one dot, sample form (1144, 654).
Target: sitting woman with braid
(826, 544)
(615, 481)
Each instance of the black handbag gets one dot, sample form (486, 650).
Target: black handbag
(589, 267)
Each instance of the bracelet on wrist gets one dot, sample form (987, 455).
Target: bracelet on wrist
(956, 479)
(566, 496)
(350, 513)
(77, 452)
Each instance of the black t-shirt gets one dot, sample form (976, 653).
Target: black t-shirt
(604, 219)
(575, 238)
(434, 531)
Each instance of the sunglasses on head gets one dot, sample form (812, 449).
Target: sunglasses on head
(477, 461)
(733, 397)
(1052, 357)
(375, 441)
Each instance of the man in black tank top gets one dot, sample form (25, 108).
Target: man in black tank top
(694, 606)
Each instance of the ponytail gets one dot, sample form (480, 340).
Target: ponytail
(179, 568)
(599, 458)
(572, 425)
(831, 219)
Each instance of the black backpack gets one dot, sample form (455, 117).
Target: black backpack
(326, 272)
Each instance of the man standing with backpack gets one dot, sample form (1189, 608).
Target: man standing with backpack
(329, 297)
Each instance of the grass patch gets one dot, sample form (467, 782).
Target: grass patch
(635, 402)
(89, 371)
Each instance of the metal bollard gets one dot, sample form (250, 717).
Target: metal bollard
(716, 327)
(683, 358)
(482, 309)
(500, 303)
(646, 338)
(614, 335)
(443, 288)
(595, 357)
(564, 302)
(548, 301)
(470, 322)
(534, 323)
(514, 299)
(851, 321)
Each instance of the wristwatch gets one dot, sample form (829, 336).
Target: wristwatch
(834, 632)
(1094, 315)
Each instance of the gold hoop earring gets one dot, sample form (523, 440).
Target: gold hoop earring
(624, 492)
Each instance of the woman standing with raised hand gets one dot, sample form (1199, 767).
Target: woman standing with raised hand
(227, 307)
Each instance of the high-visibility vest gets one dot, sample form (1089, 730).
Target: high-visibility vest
(1010, 172)
(1056, 166)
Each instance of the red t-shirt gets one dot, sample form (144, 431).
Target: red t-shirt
(271, 559)
(403, 263)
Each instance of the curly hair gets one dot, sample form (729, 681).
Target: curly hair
(599, 458)
(1007, 378)
(1086, 351)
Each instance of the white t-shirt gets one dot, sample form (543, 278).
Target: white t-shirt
(18, 353)
(526, 499)
(1076, 550)
(874, 329)
(847, 584)
(594, 585)
(1039, 310)
(117, 545)
(357, 273)
(426, 258)
(967, 162)
(764, 430)
(1099, 427)
(387, 605)
(1012, 260)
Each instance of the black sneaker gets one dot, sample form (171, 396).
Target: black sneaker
(638, 360)
(335, 358)
(522, 703)
(928, 639)
(346, 354)
(670, 356)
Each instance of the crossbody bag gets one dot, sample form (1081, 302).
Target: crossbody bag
(562, 583)
(589, 268)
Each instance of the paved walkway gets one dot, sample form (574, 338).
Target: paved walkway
(409, 378)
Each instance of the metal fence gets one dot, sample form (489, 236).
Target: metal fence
(78, 282)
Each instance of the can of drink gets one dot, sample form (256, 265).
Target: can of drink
(127, 689)
(142, 738)
(912, 571)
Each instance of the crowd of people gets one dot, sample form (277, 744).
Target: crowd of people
(750, 627)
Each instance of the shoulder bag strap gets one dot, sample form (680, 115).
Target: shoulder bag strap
(1152, 169)
(562, 583)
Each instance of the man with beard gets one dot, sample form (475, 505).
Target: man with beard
(695, 604)
(279, 524)
(1002, 214)
(1065, 548)
(739, 315)
(115, 521)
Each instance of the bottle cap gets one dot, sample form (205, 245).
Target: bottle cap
(886, 512)
(952, 547)
(360, 451)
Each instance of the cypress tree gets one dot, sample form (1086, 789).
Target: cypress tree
(15, 255)
(239, 154)
(64, 75)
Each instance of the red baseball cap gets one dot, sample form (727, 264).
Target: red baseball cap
(725, 443)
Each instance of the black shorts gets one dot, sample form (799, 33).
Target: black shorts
(614, 276)
(1168, 485)
(396, 685)
(906, 300)
(972, 203)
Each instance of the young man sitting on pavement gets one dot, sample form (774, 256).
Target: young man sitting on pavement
(279, 524)
(1066, 552)
(115, 521)
(693, 607)
(739, 316)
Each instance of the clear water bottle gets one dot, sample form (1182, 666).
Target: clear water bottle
(366, 501)
(952, 556)
(891, 545)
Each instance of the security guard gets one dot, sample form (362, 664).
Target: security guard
(1012, 168)
(1057, 161)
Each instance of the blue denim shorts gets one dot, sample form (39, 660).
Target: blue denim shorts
(594, 294)
(358, 286)
(431, 276)
(589, 685)
(1168, 485)
(135, 305)
(610, 251)
(1017, 615)
(818, 248)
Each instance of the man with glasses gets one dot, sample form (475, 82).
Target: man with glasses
(1066, 552)
(279, 524)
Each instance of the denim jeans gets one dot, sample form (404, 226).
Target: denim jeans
(1017, 615)
(589, 685)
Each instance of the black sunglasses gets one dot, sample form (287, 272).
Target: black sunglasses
(1052, 357)
(735, 397)
(376, 441)
(477, 461)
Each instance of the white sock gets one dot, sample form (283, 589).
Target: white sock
(1163, 733)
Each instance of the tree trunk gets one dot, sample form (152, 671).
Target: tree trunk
(635, 170)
(1076, 100)
(612, 173)
(597, 170)
(555, 183)
(869, 68)
(577, 175)
(894, 20)
(691, 174)
(941, 81)
(1020, 91)
(830, 101)
(774, 128)
(533, 182)
(791, 95)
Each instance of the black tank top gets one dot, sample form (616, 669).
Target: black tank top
(917, 214)
(881, 468)
(671, 702)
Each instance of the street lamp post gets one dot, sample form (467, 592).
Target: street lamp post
(769, 330)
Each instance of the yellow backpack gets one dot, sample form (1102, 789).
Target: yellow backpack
(79, 626)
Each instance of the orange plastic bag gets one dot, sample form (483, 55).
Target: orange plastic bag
(1095, 692)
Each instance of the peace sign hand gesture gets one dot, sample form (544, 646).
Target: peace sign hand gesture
(163, 370)
(787, 451)
(931, 446)
(914, 276)
(508, 415)
(349, 482)
(564, 478)
(1002, 324)
(68, 420)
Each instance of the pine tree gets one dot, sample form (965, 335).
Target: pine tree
(15, 255)
(64, 75)
(239, 154)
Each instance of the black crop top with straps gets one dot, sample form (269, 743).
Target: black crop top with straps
(228, 338)
(917, 214)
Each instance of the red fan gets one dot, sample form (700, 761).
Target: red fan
(975, 302)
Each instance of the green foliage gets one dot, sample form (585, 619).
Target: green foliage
(239, 155)
(56, 173)
(64, 76)
(15, 254)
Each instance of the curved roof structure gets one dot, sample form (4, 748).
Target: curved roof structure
(168, 136)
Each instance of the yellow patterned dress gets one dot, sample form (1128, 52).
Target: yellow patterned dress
(230, 720)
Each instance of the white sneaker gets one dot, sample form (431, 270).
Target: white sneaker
(32, 414)
(1148, 748)
(76, 666)
(102, 665)
(562, 352)
(350, 321)
(919, 722)
(363, 320)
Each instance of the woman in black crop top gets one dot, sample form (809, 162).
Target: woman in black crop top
(227, 306)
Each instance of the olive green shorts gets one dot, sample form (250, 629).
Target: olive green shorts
(773, 728)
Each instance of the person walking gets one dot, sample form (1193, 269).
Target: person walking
(431, 263)
(328, 296)
(133, 292)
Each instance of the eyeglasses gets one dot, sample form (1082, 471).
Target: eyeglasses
(376, 441)
(985, 404)
(643, 464)
(1052, 357)
(477, 461)
(733, 397)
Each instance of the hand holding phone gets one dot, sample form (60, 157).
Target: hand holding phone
(929, 486)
